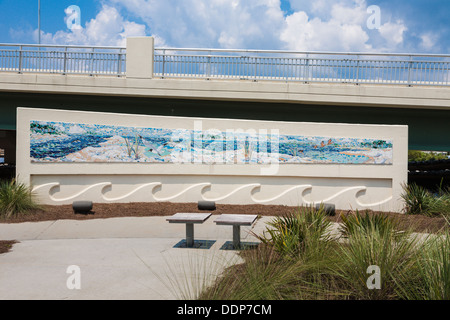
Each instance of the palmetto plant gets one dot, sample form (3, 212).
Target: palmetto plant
(357, 223)
(292, 234)
(419, 200)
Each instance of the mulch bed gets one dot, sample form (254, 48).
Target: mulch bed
(6, 245)
(419, 223)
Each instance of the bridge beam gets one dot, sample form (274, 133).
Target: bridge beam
(337, 94)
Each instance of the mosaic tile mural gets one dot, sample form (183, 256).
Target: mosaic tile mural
(75, 142)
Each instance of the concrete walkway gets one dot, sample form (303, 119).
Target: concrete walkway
(116, 258)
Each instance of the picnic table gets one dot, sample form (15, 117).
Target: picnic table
(189, 219)
(236, 220)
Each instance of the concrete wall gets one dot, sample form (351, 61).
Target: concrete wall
(349, 186)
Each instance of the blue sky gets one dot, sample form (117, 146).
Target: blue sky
(420, 26)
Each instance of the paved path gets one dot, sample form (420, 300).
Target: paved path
(116, 258)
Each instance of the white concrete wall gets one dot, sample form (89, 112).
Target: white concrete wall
(349, 186)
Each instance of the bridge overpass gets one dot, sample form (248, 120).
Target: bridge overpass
(370, 88)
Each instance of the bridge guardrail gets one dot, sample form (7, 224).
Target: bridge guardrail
(254, 65)
(62, 59)
(375, 68)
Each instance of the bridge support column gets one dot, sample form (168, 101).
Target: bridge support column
(140, 59)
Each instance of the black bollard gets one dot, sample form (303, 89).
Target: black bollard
(329, 208)
(206, 205)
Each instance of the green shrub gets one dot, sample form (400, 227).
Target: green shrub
(267, 275)
(411, 266)
(434, 268)
(290, 264)
(416, 155)
(431, 277)
(357, 223)
(393, 255)
(295, 233)
(263, 276)
(418, 200)
(16, 199)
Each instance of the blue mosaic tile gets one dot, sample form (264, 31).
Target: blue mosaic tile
(76, 142)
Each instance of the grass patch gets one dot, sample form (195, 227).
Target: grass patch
(377, 245)
(16, 199)
(430, 276)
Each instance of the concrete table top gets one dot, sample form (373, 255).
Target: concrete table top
(189, 217)
(236, 219)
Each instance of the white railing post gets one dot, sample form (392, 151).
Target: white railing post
(65, 61)
(20, 59)
(140, 57)
(119, 63)
(409, 71)
(357, 69)
(208, 67)
(163, 63)
(307, 68)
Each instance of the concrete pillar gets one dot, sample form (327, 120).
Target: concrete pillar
(140, 57)
(236, 236)
(189, 235)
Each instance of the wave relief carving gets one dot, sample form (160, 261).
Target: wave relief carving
(98, 193)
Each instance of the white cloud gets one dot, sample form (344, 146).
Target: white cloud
(322, 8)
(211, 23)
(393, 33)
(255, 24)
(321, 25)
(343, 31)
(354, 13)
(108, 28)
(428, 41)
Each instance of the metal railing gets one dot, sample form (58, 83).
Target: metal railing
(63, 59)
(256, 65)
(377, 68)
